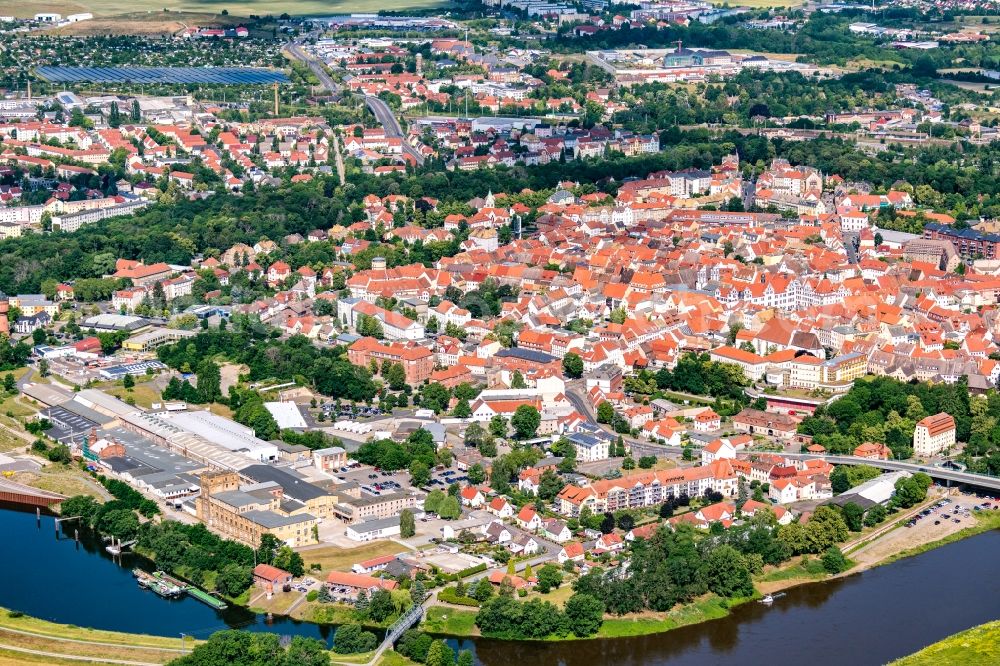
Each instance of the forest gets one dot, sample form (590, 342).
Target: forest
(886, 411)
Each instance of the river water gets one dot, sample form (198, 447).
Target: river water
(63, 581)
(870, 618)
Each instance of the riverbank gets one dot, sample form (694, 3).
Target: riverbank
(796, 574)
(979, 646)
(28, 639)
(459, 622)
(25, 639)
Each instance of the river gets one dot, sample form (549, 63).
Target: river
(63, 581)
(870, 618)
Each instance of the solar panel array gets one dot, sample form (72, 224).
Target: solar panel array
(230, 76)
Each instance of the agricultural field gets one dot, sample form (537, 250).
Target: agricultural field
(236, 8)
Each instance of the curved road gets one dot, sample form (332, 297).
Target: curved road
(297, 52)
(383, 114)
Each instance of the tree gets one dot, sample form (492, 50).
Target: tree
(727, 573)
(450, 508)
(482, 590)
(209, 381)
(462, 410)
(498, 426)
(304, 651)
(415, 645)
(420, 473)
(549, 485)
(525, 421)
(584, 614)
(433, 501)
(380, 605)
(440, 654)
(605, 412)
(407, 525)
(417, 593)
(435, 396)
(352, 639)
(476, 474)
(465, 658)
(128, 382)
(233, 579)
(549, 578)
(396, 376)
(572, 365)
(9, 383)
(628, 463)
(290, 561)
(875, 515)
(517, 381)
(834, 561)
(608, 523)
(852, 514)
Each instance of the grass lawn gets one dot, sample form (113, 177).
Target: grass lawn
(235, 8)
(63, 479)
(811, 571)
(389, 658)
(46, 628)
(558, 596)
(973, 647)
(450, 622)
(14, 407)
(9, 441)
(143, 394)
(710, 608)
(334, 558)
(13, 658)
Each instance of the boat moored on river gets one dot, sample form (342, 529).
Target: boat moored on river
(165, 588)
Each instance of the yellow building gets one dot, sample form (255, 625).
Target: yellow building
(32, 304)
(246, 515)
(154, 338)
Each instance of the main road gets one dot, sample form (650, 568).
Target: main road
(300, 54)
(939, 473)
(385, 117)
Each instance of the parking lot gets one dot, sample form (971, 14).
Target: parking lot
(375, 482)
(946, 516)
(444, 478)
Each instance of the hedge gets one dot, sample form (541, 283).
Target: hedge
(450, 596)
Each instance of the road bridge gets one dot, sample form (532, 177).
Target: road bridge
(935, 472)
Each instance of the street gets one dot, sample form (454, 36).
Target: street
(385, 117)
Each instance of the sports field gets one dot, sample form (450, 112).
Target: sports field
(23, 9)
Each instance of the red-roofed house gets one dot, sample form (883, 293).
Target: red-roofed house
(571, 551)
(269, 577)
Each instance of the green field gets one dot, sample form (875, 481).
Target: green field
(235, 8)
(978, 646)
